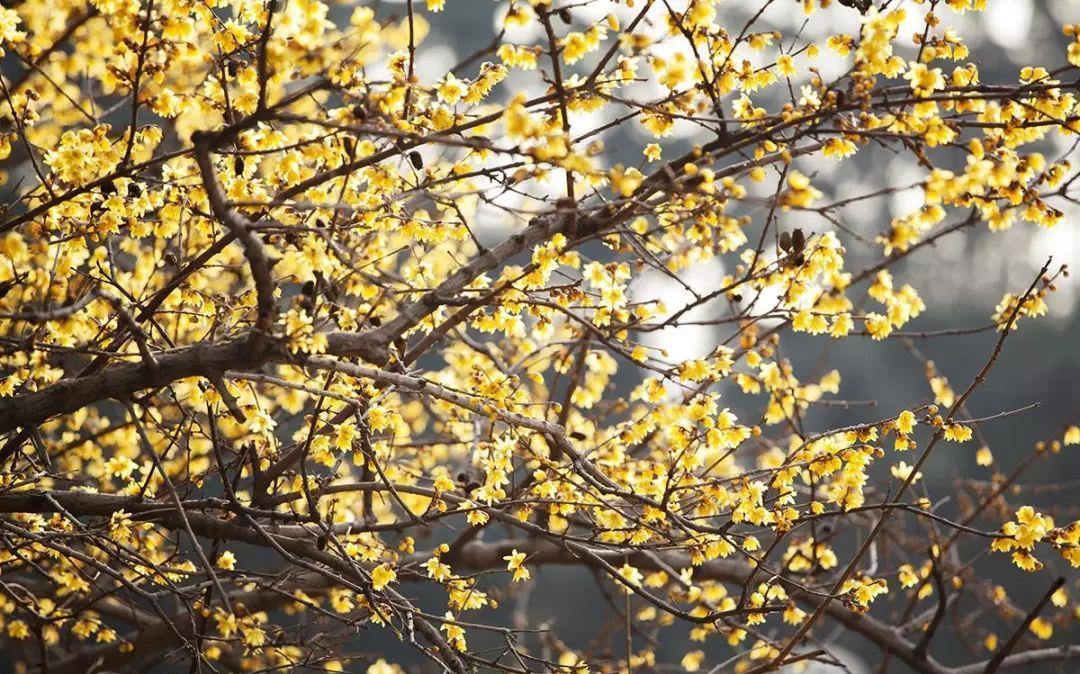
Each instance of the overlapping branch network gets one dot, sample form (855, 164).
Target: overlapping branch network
(313, 333)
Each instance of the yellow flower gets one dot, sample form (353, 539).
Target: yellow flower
(451, 89)
(341, 600)
(864, 590)
(1026, 561)
(841, 44)
(1042, 628)
(252, 636)
(905, 422)
(437, 569)
(227, 624)
(793, 615)
(625, 181)
(9, 20)
(839, 148)
(658, 122)
(381, 576)
(786, 65)
(924, 81)
(576, 44)
(957, 433)
(631, 575)
(121, 467)
(227, 560)
(691, 662)
(907, 576)
(801, 193)
(1072, 435)
(1060, 597)
(455, 634)
(902, 471)
(120, 526)
(17, 629)
(878, 326)
(514, 562)
(518, 57)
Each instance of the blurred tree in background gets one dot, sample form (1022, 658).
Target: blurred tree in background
(326, 347)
